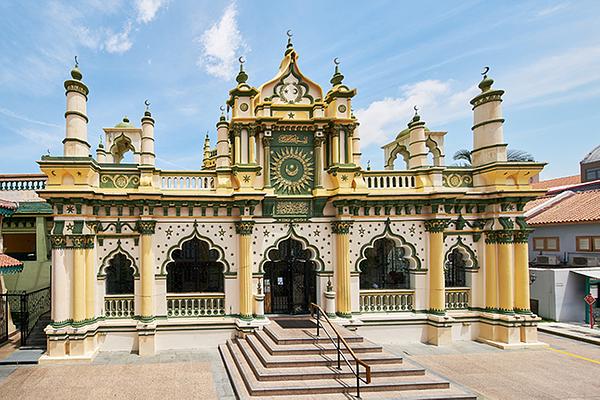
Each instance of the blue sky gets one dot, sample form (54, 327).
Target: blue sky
(181, 55)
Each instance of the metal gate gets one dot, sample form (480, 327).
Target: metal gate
(25, 309)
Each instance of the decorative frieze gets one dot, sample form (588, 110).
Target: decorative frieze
(521, 236)
(58, 242)
(500, 236)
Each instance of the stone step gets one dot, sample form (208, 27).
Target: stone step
(263, 373)
(243, 378)
(251, 343)
(306, 336)
(323, 347)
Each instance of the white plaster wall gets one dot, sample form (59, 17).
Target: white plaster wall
(566, 235)
(560, 294)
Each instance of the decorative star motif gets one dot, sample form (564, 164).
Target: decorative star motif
(70, 209)
(317, 232)
(412, 229)
(169, 232)
(69, 227)
(344, 178)
(361, 230)
(221, 232)
(266, 232)
(291, 115)
(246, 178)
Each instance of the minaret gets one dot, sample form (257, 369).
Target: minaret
(416, 142)
(100, 152)
(147, 154)
(488, 135)
(206, 151)
(75, 142)
(223, 152)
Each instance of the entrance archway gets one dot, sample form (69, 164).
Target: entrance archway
(290, 279)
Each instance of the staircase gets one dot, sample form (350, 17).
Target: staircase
(37, 337)
(279, 361)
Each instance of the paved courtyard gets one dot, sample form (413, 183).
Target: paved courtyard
(566, 370)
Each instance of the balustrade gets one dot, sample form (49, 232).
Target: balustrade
(187, 181)
(119, 306)
(22, 182)
(386, 300)
(389, 180)
(196, 305)
(457, 298)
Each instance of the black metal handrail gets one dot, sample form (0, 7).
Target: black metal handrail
(26, 309)
(340, 354)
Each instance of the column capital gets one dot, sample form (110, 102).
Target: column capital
(145, 227)
(58, 242)
(82, 241)
(244, 227)
(341, 227)
(436, 225)
(521, 236)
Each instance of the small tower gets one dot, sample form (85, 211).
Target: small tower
(100, 152)
(76, 137)
(147, 143)
(223, 146)
(416, 142)
(488, 135)
(206, 150)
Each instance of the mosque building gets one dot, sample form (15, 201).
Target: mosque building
(283, 214)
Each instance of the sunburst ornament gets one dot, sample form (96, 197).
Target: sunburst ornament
(292, 170)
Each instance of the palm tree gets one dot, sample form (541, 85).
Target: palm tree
(512, 155)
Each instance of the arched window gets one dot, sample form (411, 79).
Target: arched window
(195, 269)
(455, 269)
(385, 267)
(119, 275)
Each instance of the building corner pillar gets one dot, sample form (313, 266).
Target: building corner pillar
(146, 328)
(521, 256)
(343, 285)
(244, 229)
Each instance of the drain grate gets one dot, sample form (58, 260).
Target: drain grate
(296, 323)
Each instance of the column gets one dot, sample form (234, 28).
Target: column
(244, 230)
(146, 231)
(267, 159)
(521, 251)
(252, 146)
(237, 148)
(505, 272)
(335, 147)
(491, 272)
(318, 161)
(343, 300)
(41, 248)
(349, 147)
(90, 279)
(437, 296)
(244, 147)
(61, 293)
(78, 303)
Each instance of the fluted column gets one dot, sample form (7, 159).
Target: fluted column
(146, 230)
(90, 279)
(244, 229)
(491, 272)
(61, 293)
(267, 159)
(344, 300)
(521, 251)
(237, 145)
(318, 161)
(252, 146)
(437, 299)
(505, 272)
(335, 147)
(78, 302)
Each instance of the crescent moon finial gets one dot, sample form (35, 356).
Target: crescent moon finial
(336, 61)
(242, 59)
(147, 103)
(416, 109)
(222, 108)
(485, 71)
(289, 33)
(76, 62)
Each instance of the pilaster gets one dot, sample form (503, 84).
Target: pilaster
(244, 230)
(343, 300)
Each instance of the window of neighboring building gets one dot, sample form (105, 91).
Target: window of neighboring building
(20, 246)
(587, 243)
(546, 243)
(592, 174)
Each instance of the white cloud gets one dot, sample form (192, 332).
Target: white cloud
(147, 9)
(221, 44)
(438, 101)
(544, 12)
(119, 42)
(13, 114)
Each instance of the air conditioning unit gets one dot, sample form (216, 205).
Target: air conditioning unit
(584, 261)
(547, 260)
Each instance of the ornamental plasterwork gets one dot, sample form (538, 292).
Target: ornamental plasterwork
(455, 179)
(292, 170)
(119, 181)
(291, 90)
(283, 207)
(127, 245)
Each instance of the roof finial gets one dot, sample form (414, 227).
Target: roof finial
(100, 144)
(337, 76)
(242, 77)
(147, 108)
(75, 72)
(222, 108)
(289, 46)
(486, 83)
(416, 117)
